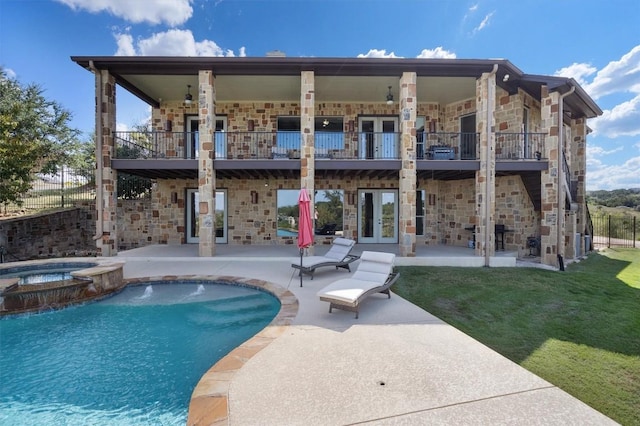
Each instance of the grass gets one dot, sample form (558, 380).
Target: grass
(578, 329)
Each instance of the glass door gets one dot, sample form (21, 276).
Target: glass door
(378, 138)
(193, 220)
(377, 216)
(193, 136)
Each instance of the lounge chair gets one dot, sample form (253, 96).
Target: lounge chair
(374, 275)
(338, 256)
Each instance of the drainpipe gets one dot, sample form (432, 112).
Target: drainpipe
(561, 178)
(98, 153)
(491, 95)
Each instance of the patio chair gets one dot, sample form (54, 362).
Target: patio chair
(373, 275)
(338, 256)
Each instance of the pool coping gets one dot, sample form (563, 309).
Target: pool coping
(209, 402)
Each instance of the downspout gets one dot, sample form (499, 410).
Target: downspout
(98, 154)
(561, 177)
(487, 208)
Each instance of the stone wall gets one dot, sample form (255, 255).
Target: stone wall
(62, 233)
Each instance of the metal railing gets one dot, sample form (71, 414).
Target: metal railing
(615, 230)
(257, 145)
(447, 146)
(328, 145)
(66, 188)
(520, 146)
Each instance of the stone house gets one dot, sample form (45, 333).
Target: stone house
(409, 152)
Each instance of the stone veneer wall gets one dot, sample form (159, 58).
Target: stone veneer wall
(62, 233)
(510, 112)
(159, 221)
(454, 210)
(515, 210)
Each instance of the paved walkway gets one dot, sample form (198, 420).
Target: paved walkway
(395, 365)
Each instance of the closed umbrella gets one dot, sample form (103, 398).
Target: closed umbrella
(305, 226)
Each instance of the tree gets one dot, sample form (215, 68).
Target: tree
(34, 136)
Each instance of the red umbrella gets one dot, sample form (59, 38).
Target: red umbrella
(305, 225)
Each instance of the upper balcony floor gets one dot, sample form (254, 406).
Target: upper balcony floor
(332, 151)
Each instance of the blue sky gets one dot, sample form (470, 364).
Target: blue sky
(597, 42)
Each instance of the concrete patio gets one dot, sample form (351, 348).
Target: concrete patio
(395, 365)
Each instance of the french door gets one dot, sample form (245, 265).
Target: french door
(377, 216)
(193, 137)
(379, 138)
(193, 219)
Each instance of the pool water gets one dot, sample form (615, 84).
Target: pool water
(132, 359)
(36, 274)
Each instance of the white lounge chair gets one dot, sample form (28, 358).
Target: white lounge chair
(374, 275)
(338, 256)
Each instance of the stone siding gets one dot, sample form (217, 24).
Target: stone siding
(62, 233)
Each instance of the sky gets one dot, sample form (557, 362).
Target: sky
(597, 42)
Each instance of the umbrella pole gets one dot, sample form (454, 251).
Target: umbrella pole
(301, 266)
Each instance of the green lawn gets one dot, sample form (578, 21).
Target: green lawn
(578, 329)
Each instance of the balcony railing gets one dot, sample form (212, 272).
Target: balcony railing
(447, 146)
(328, 145)
(520, 146)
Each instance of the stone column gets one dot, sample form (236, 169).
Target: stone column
(307, 136)
(552, 215)
(206, 173)
(407, 187)
(106, 177)
(578, 174)
(485, 177)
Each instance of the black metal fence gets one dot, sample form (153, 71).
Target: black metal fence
(67, 188)
(615, 230)
(70, 188)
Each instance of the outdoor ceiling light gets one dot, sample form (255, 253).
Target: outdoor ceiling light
(325, 123)
(188, 98)
(389, 97)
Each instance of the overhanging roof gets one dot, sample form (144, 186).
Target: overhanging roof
(281, 73)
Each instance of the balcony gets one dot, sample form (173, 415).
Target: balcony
(257, 145)
(447, 146)
(520, 146)
(356, 150)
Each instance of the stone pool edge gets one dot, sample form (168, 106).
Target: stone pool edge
(209, 404)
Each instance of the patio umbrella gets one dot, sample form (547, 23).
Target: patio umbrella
(305, 226)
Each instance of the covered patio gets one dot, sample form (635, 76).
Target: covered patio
(436, 255)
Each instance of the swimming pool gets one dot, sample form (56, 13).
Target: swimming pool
(132, 359)
(42, 273)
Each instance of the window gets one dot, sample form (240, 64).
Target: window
(288, 136)
(287, 203)
(329, 212)
(329, 133)
(420, 137)
(420, 211)
(328, 215)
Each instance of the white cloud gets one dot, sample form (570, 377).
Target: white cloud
(473, 8)
(598, 151)
(125, 45)
(616, 176)
(577, 72)
(170, 43)
(170, 12)
(484, 23)
(622, 120)
(375, 53)
(438, 52)
(10, 74)
(618, 76)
